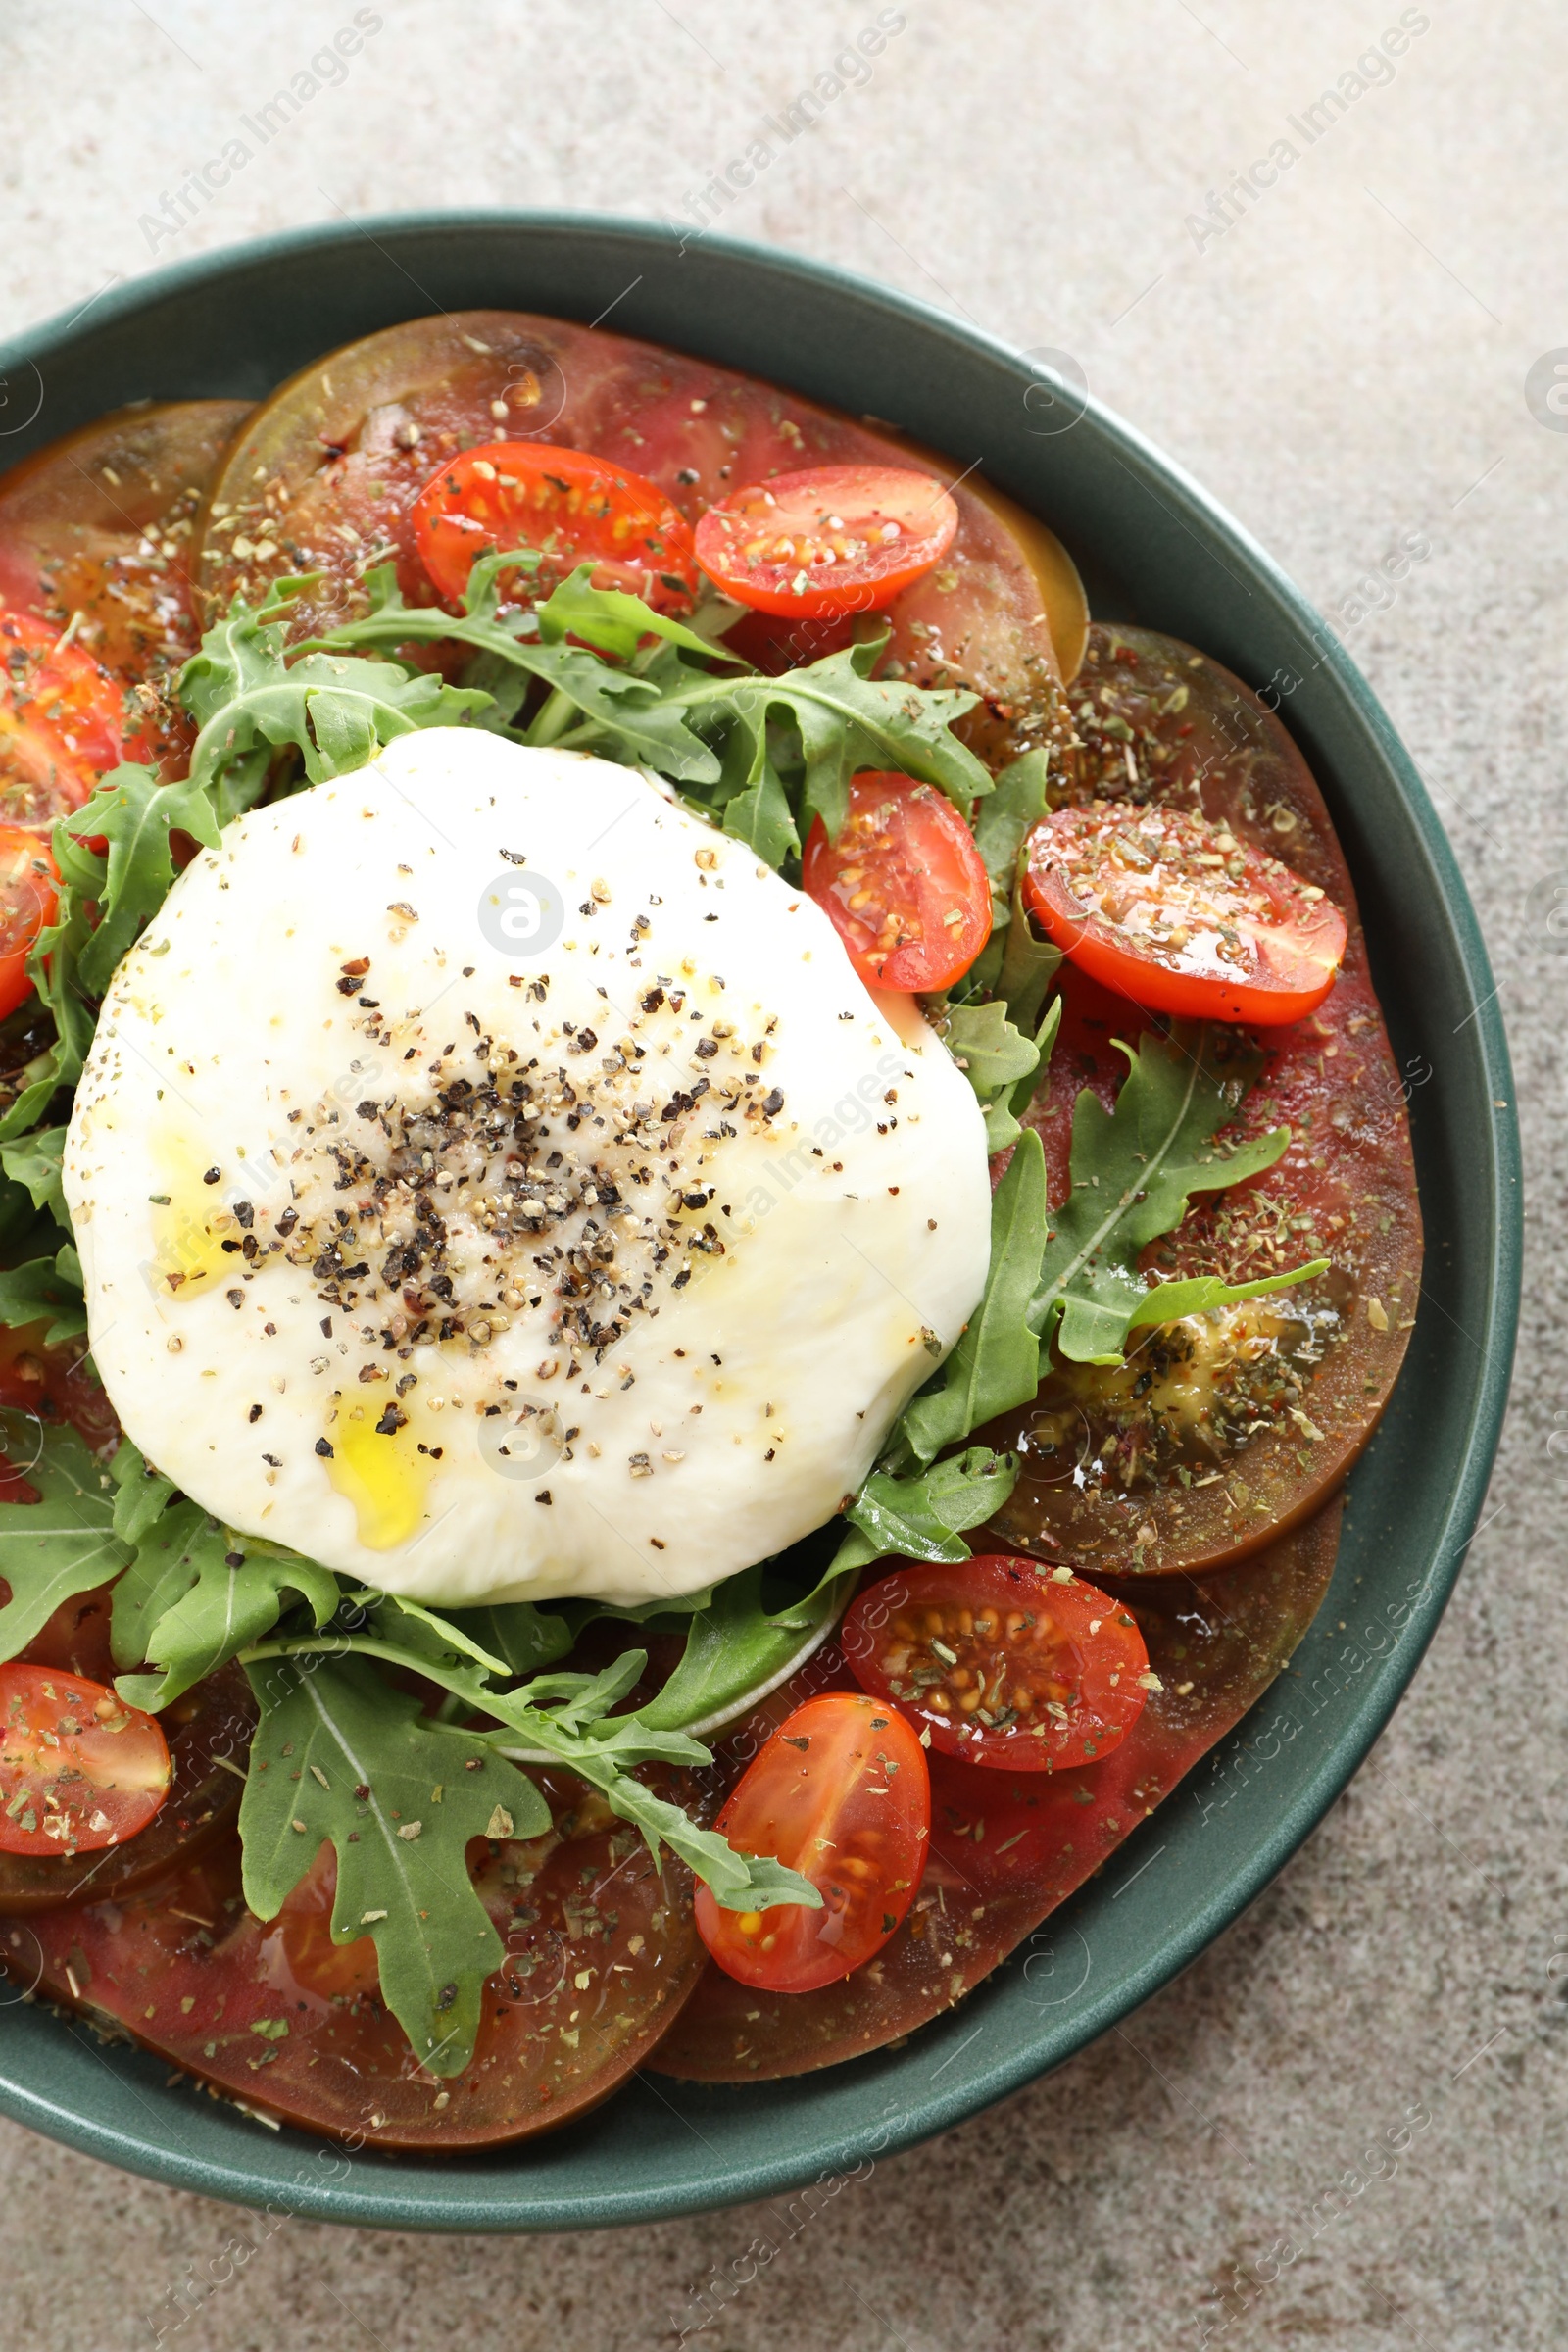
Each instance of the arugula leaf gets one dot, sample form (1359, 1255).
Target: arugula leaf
(997, 1362)
(563, 1718)
(609, 618)
(922, 1518)
(987, 1048)
(1005, 1109)
(197, 1594)
(329, 1728)
(36, 1162)
(46, 1286)
(1004, 825)
(1028, 964)
(104, 903)
(626, 713)
(136, 813)
(1002, 1065)
(63, 1543)
(737, 1882)
(847, 719)
(141, 1494)
(337, 712)
(736, 1653)
(1134, 1171)
(1201, 1293)
(420, 1626)
(159, 1576)
(51, 969)
(787, 746)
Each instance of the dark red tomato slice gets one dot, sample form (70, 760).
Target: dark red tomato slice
(1223, 1431)
(1000, 1661)
(843, 1796)
(904, 885)
(332, 466)
(96, 539)
(1007, 1847)
(78, 1769)
(62, 723)
(833, 539)
(1168, 907)
(96, 532)
(600, 1951)
(29, 886)
(574, 508)
(51, 1384)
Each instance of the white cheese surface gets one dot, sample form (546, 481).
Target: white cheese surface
(493, 1182)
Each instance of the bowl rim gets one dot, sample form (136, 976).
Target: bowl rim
(391, 2193)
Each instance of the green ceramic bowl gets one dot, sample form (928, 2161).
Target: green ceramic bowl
(1152, 549)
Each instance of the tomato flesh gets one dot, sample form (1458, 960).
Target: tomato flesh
(29, 889)
(599, 1954)
(576, 508)
(62, 723)
(1002, 1662)
(209, 1732)
(904, 885)
(833, 539)
(78, 1769)
(842, 1794)
(1215, 1648)
(1168, 907)
(96, 537)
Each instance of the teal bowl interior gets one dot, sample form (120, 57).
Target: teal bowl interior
(1153, 550)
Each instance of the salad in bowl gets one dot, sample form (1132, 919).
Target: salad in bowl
(700, 1206)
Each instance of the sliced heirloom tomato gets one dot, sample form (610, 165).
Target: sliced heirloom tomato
(78, 1769)
(96, 536)
(843, 1796)
(326, 473)
(1224, 1430)
(62, 723)
(29, 882)
(573, 507)
(904, 885)
(1005, 1847)
(1000, 1661)
(50, 1385)
(832, 540)
(600, 1952)
(1169, 909)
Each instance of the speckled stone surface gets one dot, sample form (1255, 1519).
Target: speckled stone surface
(1343, 364)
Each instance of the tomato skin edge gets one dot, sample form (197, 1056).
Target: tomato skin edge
(927, 825)
(1089, 1634)
(1152, 989)
(1299, 978)
(813, 1957)
(825, 592)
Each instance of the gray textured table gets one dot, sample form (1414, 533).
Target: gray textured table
(1341, 355)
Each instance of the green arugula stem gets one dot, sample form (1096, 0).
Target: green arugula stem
(554, 718)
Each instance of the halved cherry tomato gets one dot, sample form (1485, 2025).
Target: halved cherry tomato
(1000, 1661)
(62, 723)
(1169, 909)
(833, 539)
(29, 887)
(573, 507)
(78, 1769)
(904, 885)
(842, 1794)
